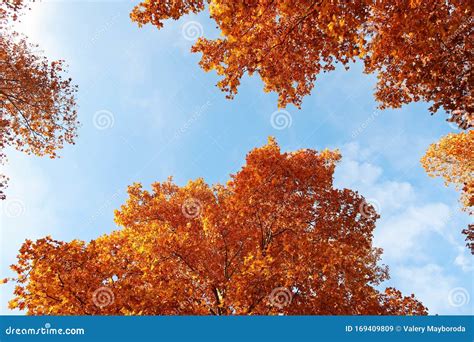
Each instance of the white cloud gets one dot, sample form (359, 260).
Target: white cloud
(352, 172)
(401, 235)
(365, 177)
(406, 231)
(392, 195)
(464, 259)
(434, 288)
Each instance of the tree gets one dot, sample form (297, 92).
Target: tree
(37, 114)
(277, 238)
(453, 159)
(421, 50)
(424, 53)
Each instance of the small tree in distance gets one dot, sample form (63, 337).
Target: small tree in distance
(452, 158)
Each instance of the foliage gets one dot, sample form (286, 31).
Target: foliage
(453, 159)
(37, 104)
(421, 50)
(277, 238)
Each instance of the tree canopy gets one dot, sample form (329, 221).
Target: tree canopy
(276, 238)
(453, 159)
(37, 103)
(420, 50)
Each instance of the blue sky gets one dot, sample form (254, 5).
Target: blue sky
(148, 111)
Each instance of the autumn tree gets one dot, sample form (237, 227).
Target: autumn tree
(453, 159)
(37, 104)
(421, 50)
(277, 238)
